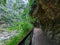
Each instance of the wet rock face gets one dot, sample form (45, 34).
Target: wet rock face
(49, 17)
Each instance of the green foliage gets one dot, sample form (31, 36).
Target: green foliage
(31, 2)
(14, 40)
(15, 14)
(3, 2)
(16, 17)
(24, 25)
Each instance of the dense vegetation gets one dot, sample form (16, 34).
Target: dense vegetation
(15, 14)
(15, 17)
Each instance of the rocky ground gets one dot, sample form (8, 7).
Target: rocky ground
(5, 35)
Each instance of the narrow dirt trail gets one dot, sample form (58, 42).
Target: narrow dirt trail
(39, 38)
